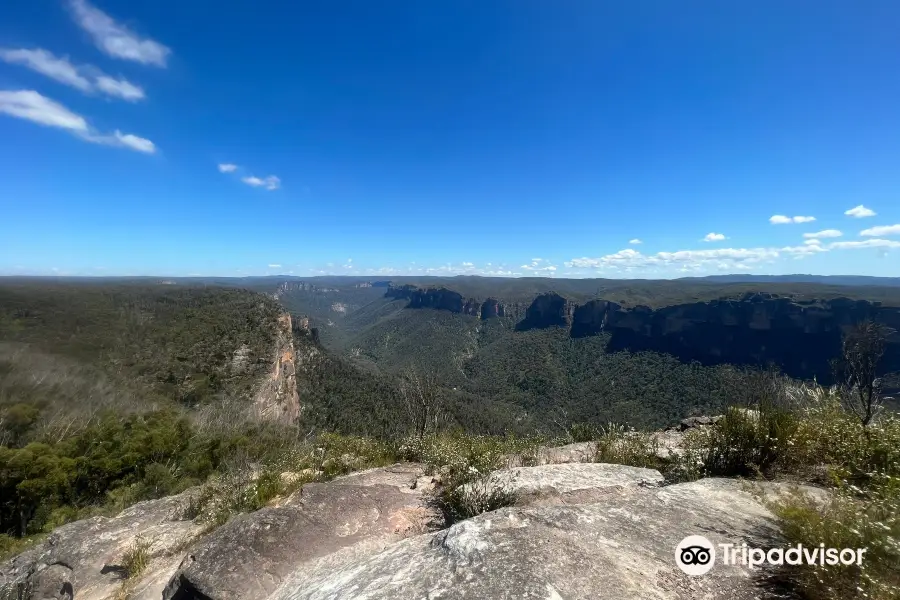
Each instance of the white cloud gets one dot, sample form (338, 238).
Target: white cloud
(860, 212)
(115, 39)
(120, 88)
(539, 265)
(825, 233)
(635, 241)
(32, 106)
(274, 266)
(45, 63)
(784, 220)
(874, 243)
(881, 230)
(713, 237)
(227, 168)
(134, 142)
(85, 78)
(722, 258)
(468, 264)
(270, 183)
(805, 250)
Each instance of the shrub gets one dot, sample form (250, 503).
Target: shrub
(619, 445)
(852, 518)
(479, 495)
(584, 432)
(745, 442)
(136, 558)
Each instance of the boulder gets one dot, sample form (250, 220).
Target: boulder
(575, 483)
(581, 452)
(620, 548)
(362, 513)
(84, 559)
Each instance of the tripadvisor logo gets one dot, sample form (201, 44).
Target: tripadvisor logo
(696, 555)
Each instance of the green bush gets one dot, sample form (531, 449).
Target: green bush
(619, 445)
(478, 495)
(745, 441)
(852, 518)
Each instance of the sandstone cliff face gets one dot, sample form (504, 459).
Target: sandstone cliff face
(548, 310)
(799, 336)
(277, 398)
(492, 308)
(288, 287)
(444, 299)
(439, 298)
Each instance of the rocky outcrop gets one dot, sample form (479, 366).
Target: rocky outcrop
(548, 310)
(800, 337)
(292, 287)
(356, 515)
(580, 452)
(438, 298)
(571, 483)
(86, 559)
(492, 308)
(621, 547)
(277, 399)
(577, 531)
(444, 299)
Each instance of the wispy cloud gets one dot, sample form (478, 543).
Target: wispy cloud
(274, 266)
(881, 230)
(874, 243)
(32, 106)
(270, 183)
(120, 88)
(45, 63)
(784, 220)
(115, 39)
(539, 265)
(227, 168)
(825, 233)
(721, 259)
(635, 241)
(134, 142)
(85, 78)
(713, 237)
(859, 212)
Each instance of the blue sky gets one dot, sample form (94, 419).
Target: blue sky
(572, 138)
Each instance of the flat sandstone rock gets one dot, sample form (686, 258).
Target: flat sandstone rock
(248, 558)
(620, 548)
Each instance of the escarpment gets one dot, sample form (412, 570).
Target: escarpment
(276, 398)
(801, 336)
(444, 299)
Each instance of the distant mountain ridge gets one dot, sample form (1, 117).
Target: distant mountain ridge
(800, 278)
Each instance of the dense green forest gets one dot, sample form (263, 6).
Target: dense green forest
(174, 343)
